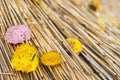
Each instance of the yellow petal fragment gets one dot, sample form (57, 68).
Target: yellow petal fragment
(23, 60)
(75, 44)
(51, 58)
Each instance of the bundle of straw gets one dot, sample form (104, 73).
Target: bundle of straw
(51, 22)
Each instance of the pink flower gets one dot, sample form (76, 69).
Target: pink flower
(17, 34)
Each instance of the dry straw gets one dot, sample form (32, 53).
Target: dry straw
(51, 23)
